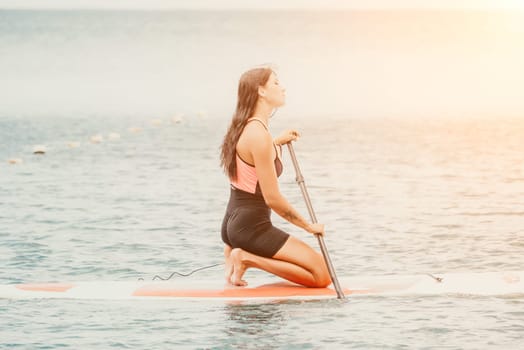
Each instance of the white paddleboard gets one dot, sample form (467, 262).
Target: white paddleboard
(192, 288)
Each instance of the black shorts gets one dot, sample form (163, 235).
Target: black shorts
(247, 225)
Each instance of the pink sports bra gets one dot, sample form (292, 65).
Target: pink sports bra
(247, 180)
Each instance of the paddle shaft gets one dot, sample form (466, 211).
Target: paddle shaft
(323, 248)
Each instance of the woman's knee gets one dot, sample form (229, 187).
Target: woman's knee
(299, 253)
(321, 272)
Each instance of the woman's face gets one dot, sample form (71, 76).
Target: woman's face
(273, 92)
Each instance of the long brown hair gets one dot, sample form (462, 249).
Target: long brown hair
(246, 103)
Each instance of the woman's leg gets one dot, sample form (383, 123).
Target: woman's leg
(295, 261)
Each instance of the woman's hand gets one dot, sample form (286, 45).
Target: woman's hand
(316, 229)
(287, 136)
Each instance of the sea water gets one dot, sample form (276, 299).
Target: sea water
(398, 195)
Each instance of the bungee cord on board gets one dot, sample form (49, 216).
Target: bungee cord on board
(437, 279)
(182, 274)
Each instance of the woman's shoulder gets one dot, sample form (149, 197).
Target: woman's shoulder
(257, 131)
(255, 136)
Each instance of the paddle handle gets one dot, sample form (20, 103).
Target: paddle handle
(323, 248)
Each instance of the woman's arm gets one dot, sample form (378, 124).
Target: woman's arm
(261, 147)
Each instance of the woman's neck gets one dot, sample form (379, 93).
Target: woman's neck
(263, 111)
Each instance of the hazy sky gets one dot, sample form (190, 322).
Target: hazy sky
(263, 4)
(366, 63)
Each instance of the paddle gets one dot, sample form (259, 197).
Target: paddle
(323, 248)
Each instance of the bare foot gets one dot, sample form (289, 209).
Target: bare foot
(239, 268)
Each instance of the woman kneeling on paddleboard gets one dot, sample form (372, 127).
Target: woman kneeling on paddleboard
(251, 159)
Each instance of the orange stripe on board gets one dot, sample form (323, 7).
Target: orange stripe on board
(267, 290)
(46, 287)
